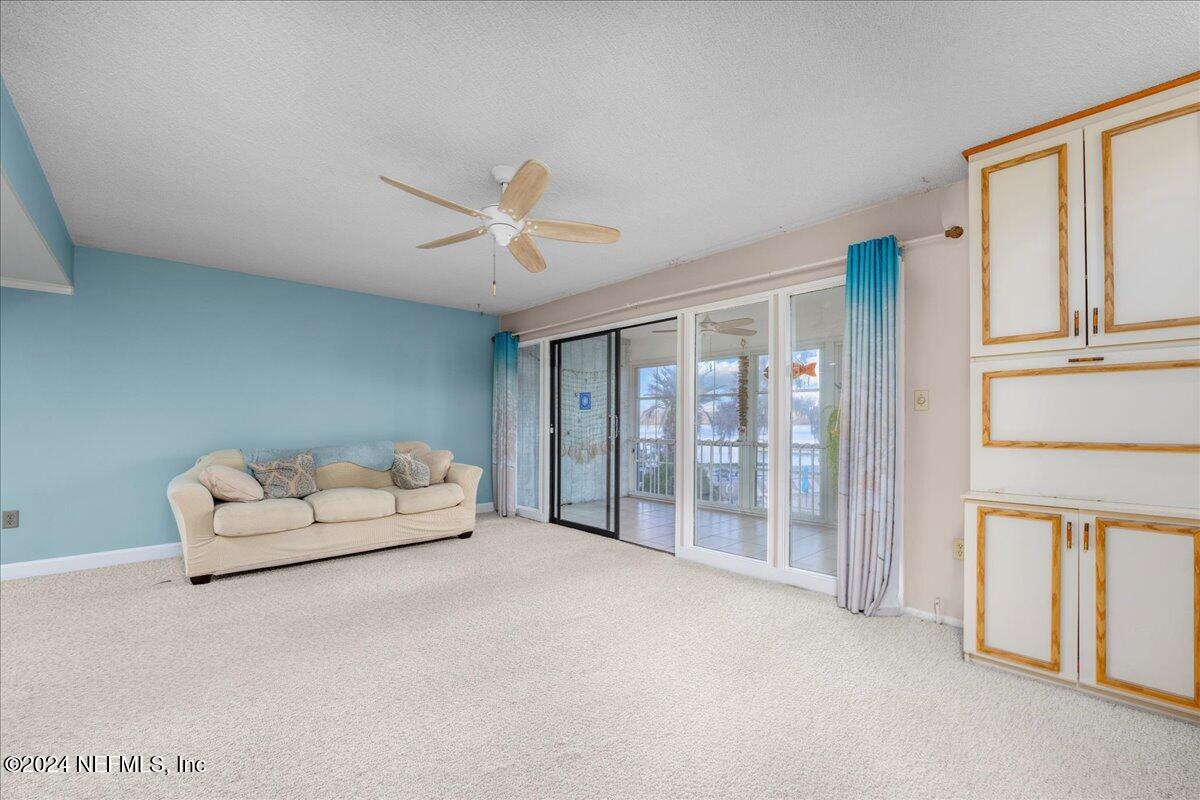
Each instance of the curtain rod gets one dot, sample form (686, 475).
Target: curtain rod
(950, 233)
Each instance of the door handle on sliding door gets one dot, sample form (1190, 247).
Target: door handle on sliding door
(1068, 536)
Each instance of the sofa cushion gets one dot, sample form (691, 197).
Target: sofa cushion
(227, 483)
(286, 477)
(263, 516)
(350, 504)
(429, 498)
(439, 462)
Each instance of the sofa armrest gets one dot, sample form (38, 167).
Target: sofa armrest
(467, 477)
(192, 504)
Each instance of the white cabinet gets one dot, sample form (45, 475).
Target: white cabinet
(1027, 248)
(1143, 255)
(1023, 567)
(1055, 267)
(1082, 527)
(1108, 601)
(1139, 626)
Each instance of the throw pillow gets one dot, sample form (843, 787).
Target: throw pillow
(438, 462)
(227, 483)
(409, 472)
(287, 477)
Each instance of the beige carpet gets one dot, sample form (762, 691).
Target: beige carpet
(536, 661)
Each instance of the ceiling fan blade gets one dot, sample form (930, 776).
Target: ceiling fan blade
(433, 198)
(736, 323)
(524, 190)
(737, 331)
(567, 231)
(526, 252)
(458, 237)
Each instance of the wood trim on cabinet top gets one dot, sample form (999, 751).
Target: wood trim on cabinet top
(1102, 676)
(986, 399)
(1087, 112)
(1110, 323)
(1055, 520)
(985, 243)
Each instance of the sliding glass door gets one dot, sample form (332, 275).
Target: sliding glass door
(585, 432)
(732, 425)
(817, 324)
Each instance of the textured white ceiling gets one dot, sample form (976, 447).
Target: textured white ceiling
(249, 136)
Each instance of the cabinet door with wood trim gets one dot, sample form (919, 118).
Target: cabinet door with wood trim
(1027, 248)
(1117, 425)
(1143, 185)
(1139, 623)
(1021, 606)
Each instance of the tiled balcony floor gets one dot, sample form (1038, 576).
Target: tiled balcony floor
(651, 523)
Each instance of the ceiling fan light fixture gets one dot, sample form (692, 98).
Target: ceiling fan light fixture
(502, 232)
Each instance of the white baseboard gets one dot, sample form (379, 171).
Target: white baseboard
(953, 622)
(50, 566)
(130, 555)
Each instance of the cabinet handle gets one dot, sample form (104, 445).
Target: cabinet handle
(1068, 536)
(1086, 530)
(1076, 323)
(1095, 319)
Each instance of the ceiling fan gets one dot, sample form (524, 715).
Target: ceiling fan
(732, 327)
(508, 221)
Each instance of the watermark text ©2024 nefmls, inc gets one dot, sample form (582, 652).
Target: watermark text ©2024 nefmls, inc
(102, 764)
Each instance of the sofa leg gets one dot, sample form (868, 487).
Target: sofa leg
(199, 579)
(466, 535)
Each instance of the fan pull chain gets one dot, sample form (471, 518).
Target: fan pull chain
(493, 267)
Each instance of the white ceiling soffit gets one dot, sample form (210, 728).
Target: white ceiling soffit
(26, 260)
(250, 136)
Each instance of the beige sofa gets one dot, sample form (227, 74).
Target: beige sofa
(354, 509)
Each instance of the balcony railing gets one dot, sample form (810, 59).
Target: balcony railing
(719, 474)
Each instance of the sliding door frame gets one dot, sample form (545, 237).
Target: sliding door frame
(540, 513)
(612, 435)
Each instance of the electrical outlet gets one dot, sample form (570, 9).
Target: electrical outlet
(921, 400)
(958, 550)
(12, 519)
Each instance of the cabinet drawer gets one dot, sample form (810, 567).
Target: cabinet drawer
(1122, 427)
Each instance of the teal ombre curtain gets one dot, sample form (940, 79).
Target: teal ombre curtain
(867, 437)
(504, 423)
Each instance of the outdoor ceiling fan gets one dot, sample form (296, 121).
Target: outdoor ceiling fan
(508, 221)
(732, 327)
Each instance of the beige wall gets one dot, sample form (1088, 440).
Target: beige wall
(935, 352)
(936, 448)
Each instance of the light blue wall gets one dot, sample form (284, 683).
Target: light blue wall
(108, 393)
(25, 175)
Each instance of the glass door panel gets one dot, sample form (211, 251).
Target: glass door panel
(818, 322)
(649, 391)
(586, 432)
(732, 422)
